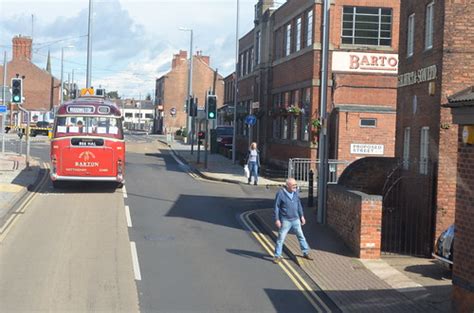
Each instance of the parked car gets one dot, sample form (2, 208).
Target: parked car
(225, 135)
(444, 246)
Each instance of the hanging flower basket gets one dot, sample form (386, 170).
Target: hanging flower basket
(316, 124)
(295, 110)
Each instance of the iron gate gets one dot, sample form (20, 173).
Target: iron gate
(299, 168)
(408, 212)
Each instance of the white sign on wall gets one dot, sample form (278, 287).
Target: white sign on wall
(361, 148)
(364, 62)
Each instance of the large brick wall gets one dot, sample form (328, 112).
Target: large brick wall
(357, 218)
(463, 271)
(350, 132)
(302, 69)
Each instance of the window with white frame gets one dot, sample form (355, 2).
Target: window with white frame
(276, 127)
(298, 34)
(406, 148)
(410, 34)
(294, 127)
(309, 28)
(305, 114)
(429, 26)
(250, 61)
(367, 26)
(257, 47)
(284, 128)
(242, 64)
(368, 122)
(424, 149)
(288, 40)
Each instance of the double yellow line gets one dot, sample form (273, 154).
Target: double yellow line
(295, 277)
(22, 208)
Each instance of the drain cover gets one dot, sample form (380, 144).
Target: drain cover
(159, 237)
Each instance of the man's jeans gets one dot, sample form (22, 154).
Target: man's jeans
(286, 225)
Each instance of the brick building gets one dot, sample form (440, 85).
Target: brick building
(462, 105)
(171, 90)
(279, 79)
(434, 62)
(40, 88)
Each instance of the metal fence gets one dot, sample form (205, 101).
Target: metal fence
(299, 169)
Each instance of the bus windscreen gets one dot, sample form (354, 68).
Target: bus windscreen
(88, 126)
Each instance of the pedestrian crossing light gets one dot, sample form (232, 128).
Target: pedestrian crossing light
(17, 90)
(211, 107)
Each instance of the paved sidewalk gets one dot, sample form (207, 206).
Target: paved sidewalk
(353, 284)
(218, 168)
(15, 181)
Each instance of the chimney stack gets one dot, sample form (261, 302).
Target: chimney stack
(22, 48)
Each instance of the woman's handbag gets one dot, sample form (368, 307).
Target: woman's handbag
(246, 171)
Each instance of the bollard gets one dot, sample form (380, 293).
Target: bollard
(310, 188)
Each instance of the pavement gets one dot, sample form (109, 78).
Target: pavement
(16, 181)
(391, 284)
(394, 283)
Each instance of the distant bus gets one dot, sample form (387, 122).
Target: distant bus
(88, 143)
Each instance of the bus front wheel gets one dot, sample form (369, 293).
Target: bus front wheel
(119, 185)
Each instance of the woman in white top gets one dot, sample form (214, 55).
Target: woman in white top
(253, 162)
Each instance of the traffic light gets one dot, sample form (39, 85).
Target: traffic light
(17, 90)
(192, 106)
(211, 107)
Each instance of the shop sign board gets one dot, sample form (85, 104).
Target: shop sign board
(364, 62)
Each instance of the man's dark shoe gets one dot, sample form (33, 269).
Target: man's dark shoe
(255, 183)
(307, 257)
(277, 259)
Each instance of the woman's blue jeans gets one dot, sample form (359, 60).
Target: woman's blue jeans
(286, 225)
(253, 168)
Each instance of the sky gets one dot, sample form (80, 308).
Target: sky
(133, 41)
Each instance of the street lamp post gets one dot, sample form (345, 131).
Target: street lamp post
(236, 90)
(61, 95)
(190, 119)
(323, 151)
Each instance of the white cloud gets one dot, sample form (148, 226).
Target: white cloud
(133, 40)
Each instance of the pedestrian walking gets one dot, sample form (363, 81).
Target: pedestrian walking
(288, 213)
(253, 162)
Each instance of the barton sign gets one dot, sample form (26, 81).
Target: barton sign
(364, 62)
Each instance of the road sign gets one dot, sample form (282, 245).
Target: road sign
(3, 108)
(250, 120)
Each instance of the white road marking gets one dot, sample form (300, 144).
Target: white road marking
(124, 191)
(136, 266)
(127, 214)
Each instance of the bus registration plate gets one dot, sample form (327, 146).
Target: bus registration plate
(87, 142)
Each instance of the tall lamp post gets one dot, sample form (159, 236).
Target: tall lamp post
(236, 90)
(189, 119)
(61, 94)
(323, 150)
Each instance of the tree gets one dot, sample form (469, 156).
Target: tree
(148, 97)
(113, 95)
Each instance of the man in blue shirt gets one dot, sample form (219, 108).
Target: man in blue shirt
(288, 215)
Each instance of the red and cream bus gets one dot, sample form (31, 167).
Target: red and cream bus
(88, 143)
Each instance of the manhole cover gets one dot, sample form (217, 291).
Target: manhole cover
(159, 237)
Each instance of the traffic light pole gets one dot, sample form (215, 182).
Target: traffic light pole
(4, 95)
(27, 135)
